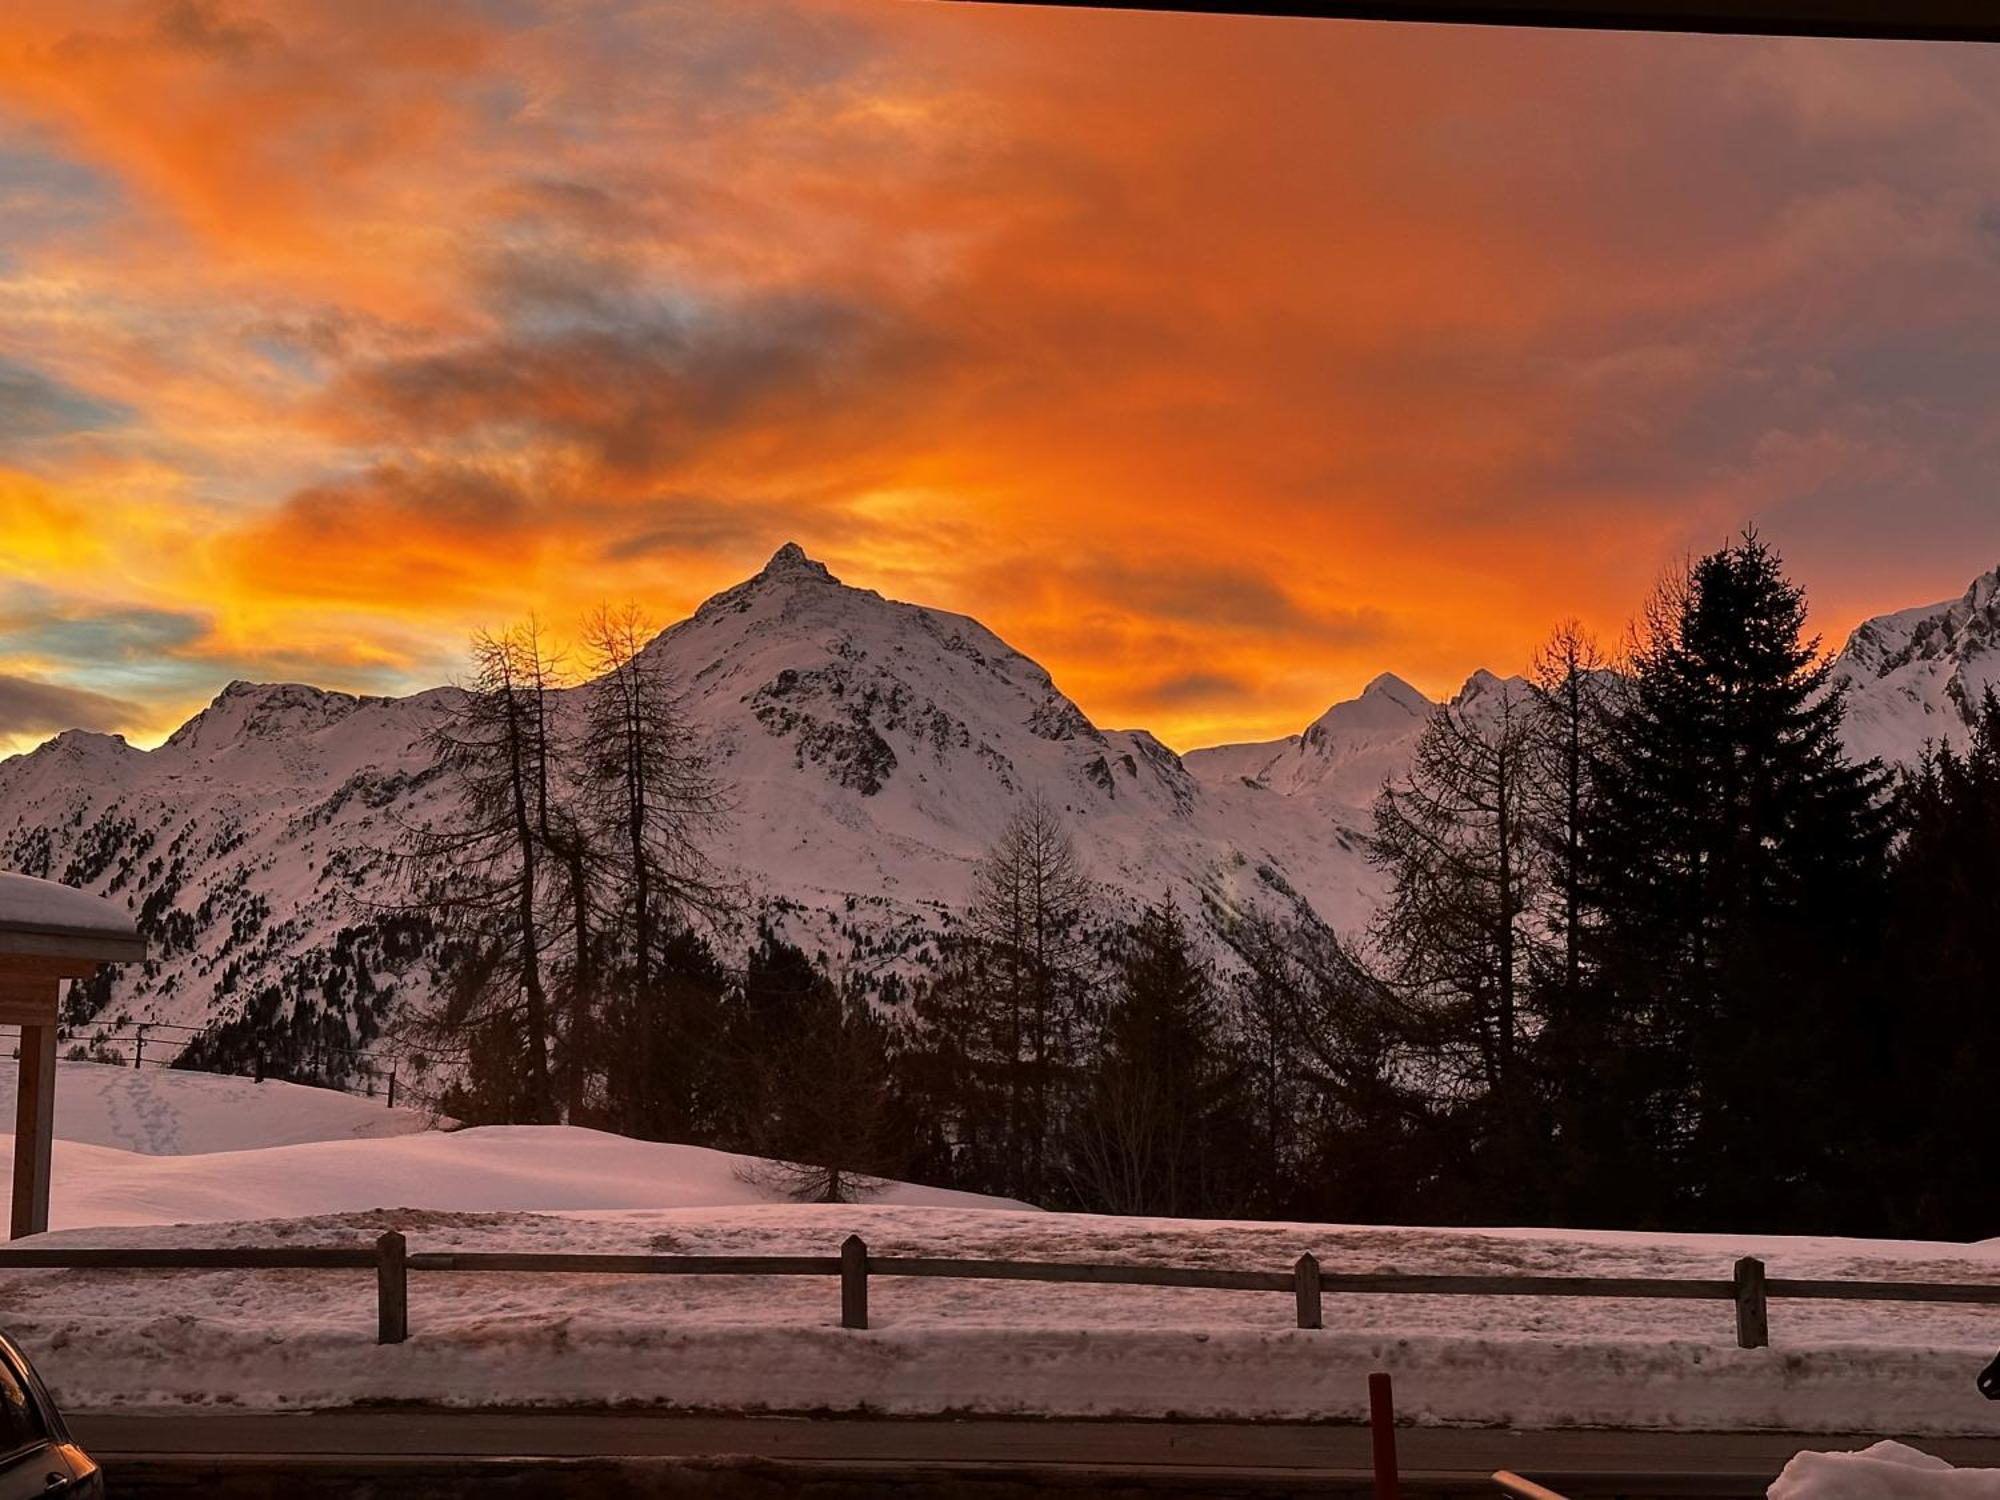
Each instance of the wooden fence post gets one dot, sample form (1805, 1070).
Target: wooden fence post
(392, 1290)
(1382, 1427)
(853, 1283)
(1753, 1324)
(392, 1088)
(1305, 1290)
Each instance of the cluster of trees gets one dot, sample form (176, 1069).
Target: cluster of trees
(1660, 954)
(562, 866)
(1656, 954)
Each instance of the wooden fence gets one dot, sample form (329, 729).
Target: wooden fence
(392, 1261)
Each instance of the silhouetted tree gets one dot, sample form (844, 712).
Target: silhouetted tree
(1147, 1137)
(479, 870)
(648, 803)
(1461, 932)
(1020, 993)
(1937, 1032)
(1734, 860)
(813, 1058)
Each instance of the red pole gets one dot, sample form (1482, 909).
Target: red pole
(1382, 1423)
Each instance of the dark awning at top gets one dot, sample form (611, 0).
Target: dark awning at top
(1915, 20)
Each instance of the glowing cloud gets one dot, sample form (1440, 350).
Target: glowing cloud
(1219, 363)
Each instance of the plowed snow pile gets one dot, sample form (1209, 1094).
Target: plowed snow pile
(297, 1339)
(1884, 1471)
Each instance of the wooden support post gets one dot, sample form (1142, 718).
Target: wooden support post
(1305, 1290)
(392, 1289)
(34, 1127)
(853, 1283)
(1753, 1323)
(139, 1048)
(1382, 1427)
(392, 1088)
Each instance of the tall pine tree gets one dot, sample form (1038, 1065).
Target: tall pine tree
(1734, 866)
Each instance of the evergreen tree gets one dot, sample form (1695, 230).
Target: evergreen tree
(1733, 865)
(1574, 694)
(813, 1062)
(665, 1047)
(1146, 1139)
(1931, 1101)
(1021, 990)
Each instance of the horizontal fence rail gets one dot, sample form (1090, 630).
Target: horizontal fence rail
(392, 1261)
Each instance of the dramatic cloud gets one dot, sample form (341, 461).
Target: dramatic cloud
(32, 708)
(1220, 363)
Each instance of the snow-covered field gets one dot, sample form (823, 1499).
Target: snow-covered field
(296, 1339)
(158, 1112)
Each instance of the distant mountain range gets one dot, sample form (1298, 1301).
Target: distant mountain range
(873, 748)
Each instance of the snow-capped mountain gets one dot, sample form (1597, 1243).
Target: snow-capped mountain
(877, 748)
(1338, 763)
(873, 750)
(1343, 755)
(1918, 675)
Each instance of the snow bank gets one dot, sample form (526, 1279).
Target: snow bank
(1886, 1471)
(161, 1112)
(287, 1340)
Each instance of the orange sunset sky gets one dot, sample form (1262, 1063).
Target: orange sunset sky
(1217, 363)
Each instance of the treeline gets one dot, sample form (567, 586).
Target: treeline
(1656, 954)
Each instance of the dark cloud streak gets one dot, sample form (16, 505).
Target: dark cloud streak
(31, 706)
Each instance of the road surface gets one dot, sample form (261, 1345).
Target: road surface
(442, 1453)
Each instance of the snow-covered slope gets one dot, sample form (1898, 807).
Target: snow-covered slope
(491, 1169)
(160, 1112)
(160, 1146)
(1918, 675)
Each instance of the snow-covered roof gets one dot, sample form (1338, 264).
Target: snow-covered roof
(40, 918)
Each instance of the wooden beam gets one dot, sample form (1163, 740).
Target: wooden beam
(27, 1010)
(35, 966)
(1906, 20)
(29, 1002)
(82, 947)
(34, 1130)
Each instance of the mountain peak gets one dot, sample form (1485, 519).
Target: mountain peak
(1387, 702)
(262, 711)
(1389, 685)
(791, 561)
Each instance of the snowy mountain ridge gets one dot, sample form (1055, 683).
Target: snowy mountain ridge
(873, 750)
(1920, 674)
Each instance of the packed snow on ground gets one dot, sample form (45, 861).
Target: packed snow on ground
(497, 1168)
(292, 1339)
(1886, 1471)
(161, 1112)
